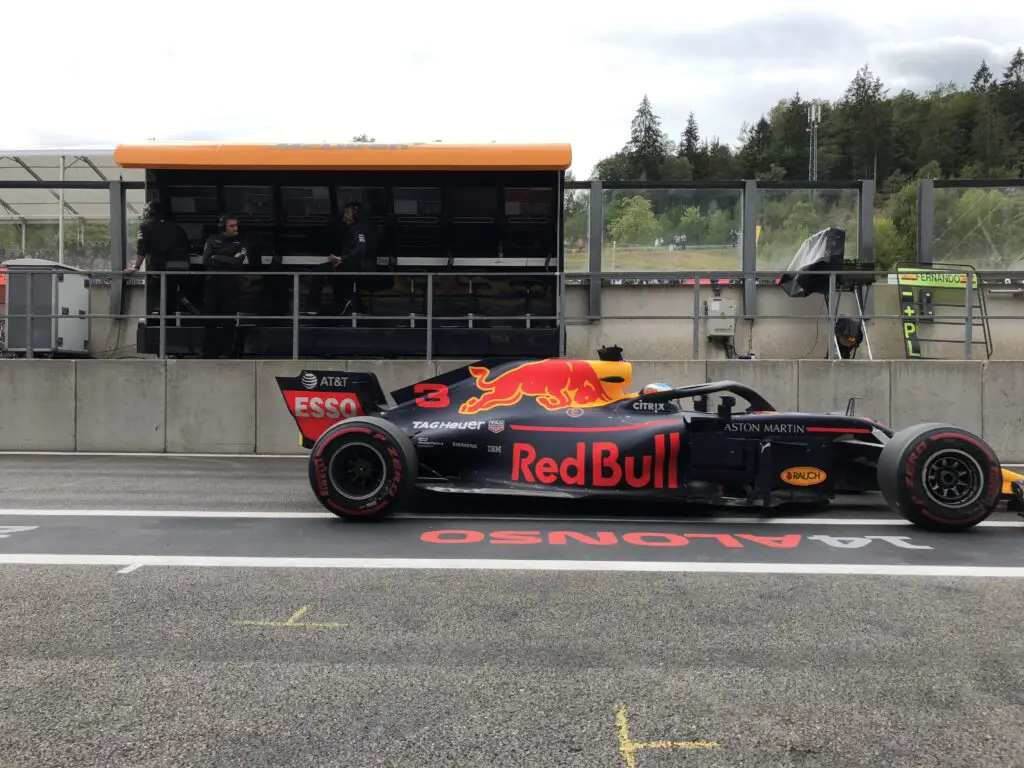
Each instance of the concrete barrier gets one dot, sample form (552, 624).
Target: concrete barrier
(936, 390)
(121, 406)
(1002, 415)
(824, 385)
(234, 406)
(777, 380)
(211, 406)
(37, 405)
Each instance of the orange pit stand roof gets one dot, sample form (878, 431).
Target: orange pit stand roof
(352, 157)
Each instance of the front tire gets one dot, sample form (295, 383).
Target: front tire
(940, 477)
(363, 468)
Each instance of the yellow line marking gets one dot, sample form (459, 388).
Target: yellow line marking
(625, 743)
(298, 614)
(628, 747)
(292, 622)
(677, 744)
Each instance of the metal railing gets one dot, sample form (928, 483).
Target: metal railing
(971, 315)
(429, 319)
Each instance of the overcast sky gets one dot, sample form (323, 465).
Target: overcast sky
(98, 73)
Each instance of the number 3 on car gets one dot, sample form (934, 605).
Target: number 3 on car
(432, 395)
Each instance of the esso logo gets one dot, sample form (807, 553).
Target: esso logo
(330, 407)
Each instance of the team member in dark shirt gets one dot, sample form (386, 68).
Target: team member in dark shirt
(159, 241)
(356, 245)
(224, 252)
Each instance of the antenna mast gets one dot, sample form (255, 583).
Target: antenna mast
(813, 121)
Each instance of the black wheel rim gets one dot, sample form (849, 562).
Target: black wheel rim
(357, 471)
(953, 478)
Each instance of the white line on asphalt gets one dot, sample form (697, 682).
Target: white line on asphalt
(270, 515)
(515, 565)
(102, 454)
(196, 513)
(132, 567)
(710, 520)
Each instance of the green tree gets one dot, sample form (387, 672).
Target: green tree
(635, 222)
(946, 132)
(755, 155)
(646, 148)
(575, 219)
(982, 79)
(691, 148)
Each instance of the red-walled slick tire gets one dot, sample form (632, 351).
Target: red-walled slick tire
(940, 477)
(363, 468)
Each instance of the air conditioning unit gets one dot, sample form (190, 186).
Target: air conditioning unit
(56, 289)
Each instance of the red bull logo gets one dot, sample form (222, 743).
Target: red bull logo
(601, 465)
(554, 384)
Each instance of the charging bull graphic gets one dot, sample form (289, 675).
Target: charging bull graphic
(555, 384)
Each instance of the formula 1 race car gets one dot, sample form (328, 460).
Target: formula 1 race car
(573, 429)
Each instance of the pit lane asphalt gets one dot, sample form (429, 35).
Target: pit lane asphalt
(482, 667)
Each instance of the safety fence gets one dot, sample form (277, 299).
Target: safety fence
(637, 227)
(906, 312)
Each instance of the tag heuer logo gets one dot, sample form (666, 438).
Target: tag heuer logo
(496, 426)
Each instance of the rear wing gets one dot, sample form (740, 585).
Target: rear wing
(319, 399)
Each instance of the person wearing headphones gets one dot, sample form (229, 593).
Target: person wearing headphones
(160, 240)
(356, 245)
(224, 252)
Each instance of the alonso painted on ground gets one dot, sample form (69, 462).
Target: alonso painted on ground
(574, 428)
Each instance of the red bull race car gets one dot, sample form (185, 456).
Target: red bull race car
(572, 429)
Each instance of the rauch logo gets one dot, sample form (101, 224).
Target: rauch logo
(803, 476)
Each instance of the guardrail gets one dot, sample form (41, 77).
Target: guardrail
(429, 319)
(971, 315)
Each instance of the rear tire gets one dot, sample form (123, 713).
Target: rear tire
(940, 477)
(363, 468)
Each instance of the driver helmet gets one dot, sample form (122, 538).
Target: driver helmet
(651, 388)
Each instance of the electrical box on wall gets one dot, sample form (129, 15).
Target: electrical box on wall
(720, 318)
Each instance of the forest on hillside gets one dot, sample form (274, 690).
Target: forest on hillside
(896, 139)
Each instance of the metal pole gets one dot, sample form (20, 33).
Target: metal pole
(833, 343)
(925, 222)
(562, 328)
(430, 317)
(695, 321)
(595, 218)
(748, 249)
(163, 318)
(118, 246)
(864, 324)
(29, 347)
(60, 219)
(295, 316)
(969, 318)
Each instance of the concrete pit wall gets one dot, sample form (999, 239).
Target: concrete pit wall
(230, 406)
